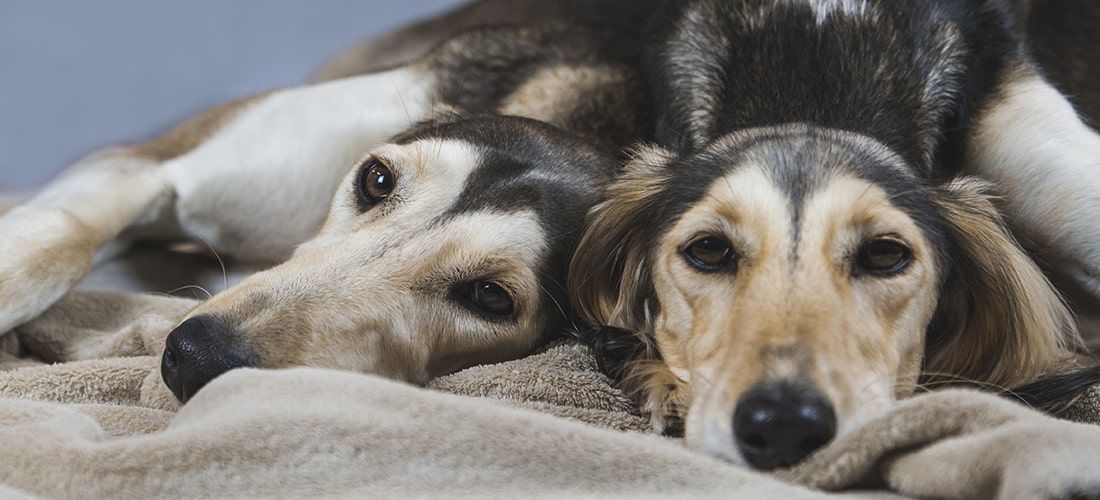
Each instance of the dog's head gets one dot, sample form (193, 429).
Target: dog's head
(443, 249)
(784, 284)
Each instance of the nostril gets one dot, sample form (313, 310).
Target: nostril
(198, 350)
(755, 441)
(168, 360)
(779, 424)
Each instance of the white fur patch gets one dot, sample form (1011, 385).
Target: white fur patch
(261, 184)
(823, 9)
(1046, 162)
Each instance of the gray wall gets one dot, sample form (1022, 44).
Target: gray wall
(76, 75)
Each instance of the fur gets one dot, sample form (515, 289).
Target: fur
(495, 136)
(795, 137)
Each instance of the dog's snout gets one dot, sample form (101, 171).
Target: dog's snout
(197, 351)
(779, 424)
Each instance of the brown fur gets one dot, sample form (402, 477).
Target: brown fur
(1000, 322)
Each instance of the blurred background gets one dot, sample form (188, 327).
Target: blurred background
(78, 75)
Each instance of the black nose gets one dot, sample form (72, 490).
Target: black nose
(778, 424)
(198, 350)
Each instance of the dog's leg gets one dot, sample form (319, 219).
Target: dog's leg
(252, 179)
(49, 242)
(1031, 143)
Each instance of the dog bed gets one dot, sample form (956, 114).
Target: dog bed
(546, 425)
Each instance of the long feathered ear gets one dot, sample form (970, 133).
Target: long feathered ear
(610, 284)
(999, 321)
(608, 279)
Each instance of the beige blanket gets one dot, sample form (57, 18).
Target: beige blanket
(546, 425)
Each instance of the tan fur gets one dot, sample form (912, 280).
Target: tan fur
(808, 321)
(62, 248)
(800, 313)
(50, 241)
(543, 95)
(371, 293)
(1002, 321)
(613, 290)
(609, 281)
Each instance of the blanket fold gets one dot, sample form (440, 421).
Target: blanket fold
(546, 425)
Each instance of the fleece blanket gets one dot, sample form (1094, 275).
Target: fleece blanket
(83, 414)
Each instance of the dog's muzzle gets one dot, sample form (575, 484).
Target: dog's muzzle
(777, 424)
(199, 350)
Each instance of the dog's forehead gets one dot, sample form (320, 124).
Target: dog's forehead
(522, 165)
(799, 162)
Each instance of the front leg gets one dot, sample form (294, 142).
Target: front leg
(49, 243)
(252, 179)
(1030, 141)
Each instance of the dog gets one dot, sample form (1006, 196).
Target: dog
(831, 218)
(421, 214)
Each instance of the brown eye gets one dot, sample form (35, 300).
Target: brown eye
(884, 257)
(489, 298)
(709, 254)
(375, 182)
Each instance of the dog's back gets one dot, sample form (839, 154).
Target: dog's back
(900, 71)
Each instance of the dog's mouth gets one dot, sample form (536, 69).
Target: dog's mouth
(199, 350)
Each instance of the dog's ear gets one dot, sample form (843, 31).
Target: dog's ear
(999, 321)
(610, 284)
(609, 276)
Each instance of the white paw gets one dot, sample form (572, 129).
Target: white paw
(43, 253)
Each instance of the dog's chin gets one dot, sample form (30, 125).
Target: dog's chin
(712, 436)
(708, 432)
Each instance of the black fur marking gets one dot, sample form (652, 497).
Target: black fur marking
(1057, 393)
(614, 348)
(528, 165)
(909, 74)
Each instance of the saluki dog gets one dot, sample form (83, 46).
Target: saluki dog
(825, 215)
(455, 177)
(831, 218)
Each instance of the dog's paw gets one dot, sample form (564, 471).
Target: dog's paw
(45, 252)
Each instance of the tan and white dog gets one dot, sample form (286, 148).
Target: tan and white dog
(421, 215)
(832, 217)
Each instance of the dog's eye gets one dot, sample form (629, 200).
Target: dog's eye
(490, 298)
(709, 254)
(375, 182)
(884, 257)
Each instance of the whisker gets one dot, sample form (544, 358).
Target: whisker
(171, 293)
(221, 263)
(401, 97)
